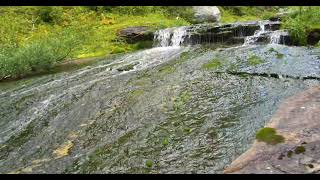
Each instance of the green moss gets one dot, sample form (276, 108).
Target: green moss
(279, 56)
(299, 150)
(271, 50)
(149, 163)
(254, 60)
(213, 64)
(167, 69)
(135, 93)
(268, 135)
(289, 154)
(180, 102)
(165, 141)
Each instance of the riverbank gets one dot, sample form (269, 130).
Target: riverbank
(297, 121)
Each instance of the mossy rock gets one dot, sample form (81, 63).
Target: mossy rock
(299, 150)
(269, 136)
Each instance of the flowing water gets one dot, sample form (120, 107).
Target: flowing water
(169, 109)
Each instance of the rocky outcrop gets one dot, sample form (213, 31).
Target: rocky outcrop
(136, 34)
(297, 120)
(232, 33)
(313, 37)
(206, 14)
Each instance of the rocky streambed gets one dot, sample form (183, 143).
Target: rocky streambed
(174, 109)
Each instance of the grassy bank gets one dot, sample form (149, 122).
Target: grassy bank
(230, 14)
(35, 39)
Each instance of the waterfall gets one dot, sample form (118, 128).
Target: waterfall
(170, 37)
(252, 39)
(247, 33)
(276, 36)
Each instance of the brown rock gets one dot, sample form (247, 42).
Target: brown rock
(298, 121)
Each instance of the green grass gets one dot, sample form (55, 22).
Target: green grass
(245, 13)
(269, 136)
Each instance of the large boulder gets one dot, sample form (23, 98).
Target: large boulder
(206, 14)
(136, 34)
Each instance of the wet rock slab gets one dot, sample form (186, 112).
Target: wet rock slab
(162, 112)
(298, 121)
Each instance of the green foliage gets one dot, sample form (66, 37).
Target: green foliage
(301, 21)
(39, 54)
(268, 135)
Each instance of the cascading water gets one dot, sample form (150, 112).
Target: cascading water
(277, 36)
(170, 37)
(249, 32)
(252, 39)
(272, 36)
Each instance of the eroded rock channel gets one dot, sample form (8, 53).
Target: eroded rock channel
(168, 109)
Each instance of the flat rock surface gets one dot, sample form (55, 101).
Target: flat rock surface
(298, 121)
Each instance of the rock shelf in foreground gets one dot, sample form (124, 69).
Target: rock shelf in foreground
(298, 121)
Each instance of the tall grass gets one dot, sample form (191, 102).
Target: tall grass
(302, 20)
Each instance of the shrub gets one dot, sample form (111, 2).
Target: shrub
(39, 54)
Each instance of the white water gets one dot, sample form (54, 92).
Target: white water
(249, 40)
(173, 37)
(170, 36)
(275, 37)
